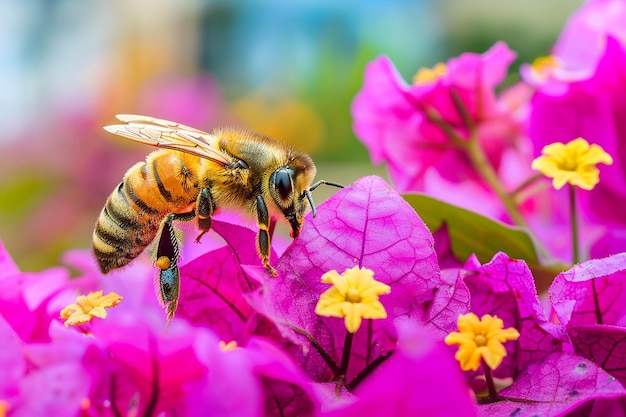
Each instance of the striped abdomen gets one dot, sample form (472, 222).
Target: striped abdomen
(168, 182)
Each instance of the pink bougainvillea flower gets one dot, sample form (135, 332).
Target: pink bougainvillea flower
(395, 120)
(150, 368)
(558, 385)
(580, 46)
(504, 287)
(12, 363)
(184, 370)
(255, 379)
(594, 108)
(44, 378)
(213, 286)
(584, 36)
(288, 391)
(230, 388)
(589, 300)
(420, 379)
(27, 299)
(365, 225)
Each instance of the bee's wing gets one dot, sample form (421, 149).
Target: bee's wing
(171, 135)
(136, 118)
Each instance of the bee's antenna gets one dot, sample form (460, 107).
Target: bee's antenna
(320, 182)
(312, 188)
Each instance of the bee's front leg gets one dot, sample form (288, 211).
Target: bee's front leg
(263, 238)
(167, 254)
(205, 207)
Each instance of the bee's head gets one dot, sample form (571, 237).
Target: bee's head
(289, 188)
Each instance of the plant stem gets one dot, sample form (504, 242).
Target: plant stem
(478, 158)
(574, 223)
(596, 302)
(527, 183)
(484, 168)
(325, 356)
(491, 386)
(345, 357)
(368, 370)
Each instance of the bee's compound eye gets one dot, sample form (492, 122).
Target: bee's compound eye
(162, 262)
(282, 182)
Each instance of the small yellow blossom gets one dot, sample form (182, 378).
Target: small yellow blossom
(88, 306)
(427, 75)
(543, 66)
(354, 296)
(573, 163)
(227, 347)
(480, 339)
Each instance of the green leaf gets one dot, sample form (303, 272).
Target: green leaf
(472, 233)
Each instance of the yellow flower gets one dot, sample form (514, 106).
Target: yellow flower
(480, 339)
(427, 75)
(543, 66)
(227, 347)
(354, 295)
(88, 306)
(573, 163)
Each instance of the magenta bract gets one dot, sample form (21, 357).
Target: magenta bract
(588, 300)
(369, 225)
(505, 288)
(390, 117)
(561, 383)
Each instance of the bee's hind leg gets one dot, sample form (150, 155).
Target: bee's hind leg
(263, 238)
(167, 255)
(205, 207)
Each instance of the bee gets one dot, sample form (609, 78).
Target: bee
(194, 174)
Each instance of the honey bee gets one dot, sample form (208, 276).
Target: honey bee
(190, 178)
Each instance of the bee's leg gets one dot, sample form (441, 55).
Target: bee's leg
(263, 239)
(167, 254)
(205, 207)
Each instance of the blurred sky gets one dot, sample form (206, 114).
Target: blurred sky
(288, 69)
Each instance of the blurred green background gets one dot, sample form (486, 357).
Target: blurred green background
(288, 69)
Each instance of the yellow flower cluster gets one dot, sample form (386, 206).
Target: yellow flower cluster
(89, 306)
(573, 163)
(427, 75)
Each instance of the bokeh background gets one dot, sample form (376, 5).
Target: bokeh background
(288, 69)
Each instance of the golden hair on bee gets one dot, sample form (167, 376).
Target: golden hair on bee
(194, 174)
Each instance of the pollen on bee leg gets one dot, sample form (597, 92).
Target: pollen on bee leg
(163, 263)
(269, 267)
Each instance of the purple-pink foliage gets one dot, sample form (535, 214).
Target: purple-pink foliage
(369, 225)
(392, 118)
(504, 287)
